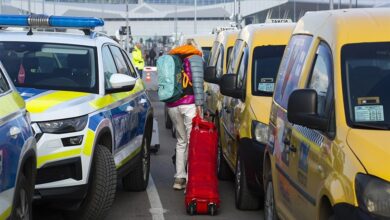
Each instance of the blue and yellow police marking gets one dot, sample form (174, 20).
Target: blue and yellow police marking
(10, 103)
(45, 102)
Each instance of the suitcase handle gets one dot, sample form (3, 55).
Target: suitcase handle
(199, 123)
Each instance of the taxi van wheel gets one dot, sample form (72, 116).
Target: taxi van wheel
(223, 169)
(138, 179)
(269, 200)
(245, 200)
(102, 186)
(23, 199)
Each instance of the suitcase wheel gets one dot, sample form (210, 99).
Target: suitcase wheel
(212, 208)
(191, 209)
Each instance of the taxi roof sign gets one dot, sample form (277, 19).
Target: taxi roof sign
(278, 20)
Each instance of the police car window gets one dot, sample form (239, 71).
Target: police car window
(321, 75)
(265, 65)
(51, 66)
(109, 66)
(290, 68)
(133, 73)
(119, 60)
(4, 87)
(241, 73)
(366, 80)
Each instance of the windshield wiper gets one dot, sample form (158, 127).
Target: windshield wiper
(372, 126)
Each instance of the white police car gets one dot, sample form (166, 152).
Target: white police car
(17, 154)
(92, 118)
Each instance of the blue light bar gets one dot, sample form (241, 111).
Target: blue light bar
(50, 21)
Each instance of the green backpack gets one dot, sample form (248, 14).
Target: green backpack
(169, 69)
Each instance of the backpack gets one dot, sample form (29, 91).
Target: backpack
(169, 69)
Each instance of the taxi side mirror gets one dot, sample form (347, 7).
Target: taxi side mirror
(121, 83)
(302, 110)
(210, 75)
(227, 86)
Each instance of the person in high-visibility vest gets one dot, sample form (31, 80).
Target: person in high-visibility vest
(138, 59)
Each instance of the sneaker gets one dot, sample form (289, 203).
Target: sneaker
(180, 183)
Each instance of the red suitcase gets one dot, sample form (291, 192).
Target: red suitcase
(202, 195)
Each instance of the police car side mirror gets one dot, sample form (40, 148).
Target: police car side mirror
(210, 75)
(227, 86)
(302, 110)
(121, 83)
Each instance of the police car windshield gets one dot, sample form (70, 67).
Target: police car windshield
(366, 80)
(265, 65)
(50, 66)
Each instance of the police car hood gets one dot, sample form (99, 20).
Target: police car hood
(372, 147)
(47, 105)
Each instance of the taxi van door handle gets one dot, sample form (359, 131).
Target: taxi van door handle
(292, 148)
(129, 108)
(142, 101)
(14, 132)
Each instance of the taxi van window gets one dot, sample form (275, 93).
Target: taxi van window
(234, 56)
(109, 66)
(213, 54)
(130, 66)
(241, 73)
(366, 80)
(229, 52)
(206, 52)
(291, 67)
(219, 65)
(321, 77)
(4, 87)
(265, 65)
(50, 66)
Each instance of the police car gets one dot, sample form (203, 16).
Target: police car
(89, 110)
(17, 154)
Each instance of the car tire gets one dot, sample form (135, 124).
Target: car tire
(269, 200)
(223, 169)
(23, 199)
(138, 179)
(245, 200)
(168, 120)
(101, 188)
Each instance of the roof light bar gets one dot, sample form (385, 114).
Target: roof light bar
(50, 21)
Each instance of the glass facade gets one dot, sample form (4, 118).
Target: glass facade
(179, 2)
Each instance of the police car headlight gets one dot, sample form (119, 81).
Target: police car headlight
(259, 132)
(373, 194)
(64, 126)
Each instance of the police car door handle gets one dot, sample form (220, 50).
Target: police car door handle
(14, 132)
(129, 108)
(142, 101)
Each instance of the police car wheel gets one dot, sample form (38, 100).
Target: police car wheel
(245, 200)
(269, 200)
(23, 199)
(102, 186)
(138, 179)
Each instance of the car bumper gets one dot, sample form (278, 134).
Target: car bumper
(348, 211)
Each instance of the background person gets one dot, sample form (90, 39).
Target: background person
(185, 109)
(138, 59)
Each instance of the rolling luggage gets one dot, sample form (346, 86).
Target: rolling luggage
(202, 195)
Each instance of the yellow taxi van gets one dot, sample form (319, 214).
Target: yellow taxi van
(248, 89)
(328, 155)
(216, 67)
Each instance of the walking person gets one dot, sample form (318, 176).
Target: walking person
(152, 56)
(186, 108)
(138, 59)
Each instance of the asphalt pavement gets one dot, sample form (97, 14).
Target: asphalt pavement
(160, 201)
